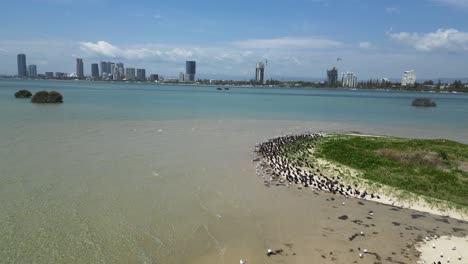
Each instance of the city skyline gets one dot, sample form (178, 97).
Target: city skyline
(377, 41)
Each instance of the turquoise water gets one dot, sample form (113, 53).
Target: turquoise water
(146, 173)
(126, 101)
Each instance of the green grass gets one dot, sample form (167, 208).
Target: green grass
(432, 168)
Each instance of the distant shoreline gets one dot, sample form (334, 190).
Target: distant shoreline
(241, 86)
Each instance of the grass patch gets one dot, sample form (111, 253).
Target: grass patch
(432, 168)
(435, 169)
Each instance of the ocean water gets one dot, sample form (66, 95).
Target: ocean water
(147, 173)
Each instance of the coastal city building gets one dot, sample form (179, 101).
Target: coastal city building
(260, 72)
(111, 66)
(408, 78)
(332, 77)
(22, 71)
(60, 75)
(190, 71)
(49, 75)
(154, 77)
(79, 68)
(32, 71)
(181, 77)
(95, 70)
(118, 71)
(349, 80)
(141, 74)
(104, 68)
(130, 74)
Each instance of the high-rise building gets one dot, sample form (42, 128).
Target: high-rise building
(141, 74)
(79, 68)
(154, 77)
(349, 80)
(60, 75)
(190, 71)
(332, 77)
(95, 70)
(130, 74)
(49, 75)
(22, 71)
(259, 72)
(181, 77)
(104, 68)
(32, 71)
(408, 78)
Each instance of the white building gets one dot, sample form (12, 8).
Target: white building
(349, 80)
(408, 78)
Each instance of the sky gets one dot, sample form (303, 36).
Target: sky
(298, 38)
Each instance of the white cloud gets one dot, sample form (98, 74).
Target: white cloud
(442, 39)
(392, 10)
(103, 48)
(288, 42)
(455, 3)
(365, 45)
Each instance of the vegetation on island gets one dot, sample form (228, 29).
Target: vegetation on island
(44, 97)
(424, 102)
(23, 94)
(430, 168)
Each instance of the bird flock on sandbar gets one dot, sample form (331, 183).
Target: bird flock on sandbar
(301, 172)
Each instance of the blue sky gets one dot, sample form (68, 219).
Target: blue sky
(300, 38)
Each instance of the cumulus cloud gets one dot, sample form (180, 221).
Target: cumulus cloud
(442, 39)
(103, 48)
(288, 42)
(365, 45)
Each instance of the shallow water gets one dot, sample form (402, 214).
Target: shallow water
(139, 173)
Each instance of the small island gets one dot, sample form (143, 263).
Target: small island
(425, 174)
(423, 102)
(44, 97)
(23, 94)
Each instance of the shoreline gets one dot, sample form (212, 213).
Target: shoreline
(347, 176)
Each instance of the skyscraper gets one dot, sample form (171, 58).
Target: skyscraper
(190, 71)
(22, 71)
(141, 74)
(154, 77)
(32, 70)
(95, 71)
(408, 78)
(332, 77)
(349, 80)
(79, 68)
(104, 68)
(130, 74)
(259, 72)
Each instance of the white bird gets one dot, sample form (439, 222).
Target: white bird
(365, 251)
(269, 251)
(454, 247)
(448, 260)
(459, 257)
(361, 255)
(433, 245)
(371, 214)
(362, 233)
(242, 262)
(343, 203)
(427, 238)
(441, 255)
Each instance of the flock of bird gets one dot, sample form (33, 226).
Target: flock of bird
(301, 171)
